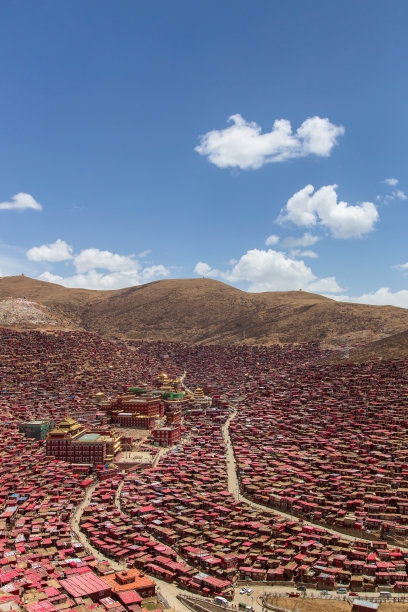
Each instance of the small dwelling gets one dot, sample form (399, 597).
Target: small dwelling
(361, 605)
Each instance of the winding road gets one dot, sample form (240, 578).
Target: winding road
(234, 488)
(167, 590)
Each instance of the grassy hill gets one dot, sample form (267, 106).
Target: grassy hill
(208, 311)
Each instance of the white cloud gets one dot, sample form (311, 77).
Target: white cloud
(92, 259)
(49, 277)
(93, 279)
(403, 267)
(145, 253)
(300, 253)
(203, 269)
(242, 145)
(21, 201)
(306, 240)
(381, 297)
(309, 208)
(396, 194)
(318, 136)
(57, 251)
(271, 271)
(271, 240)
(94, 268)
(152, 273)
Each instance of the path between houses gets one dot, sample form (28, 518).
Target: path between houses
(168, 591)
(234, 488)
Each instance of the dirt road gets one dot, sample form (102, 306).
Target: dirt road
(168, 591)
(233, 486)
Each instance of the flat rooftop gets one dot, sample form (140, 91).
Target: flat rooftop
(90, 437)
(40, 422)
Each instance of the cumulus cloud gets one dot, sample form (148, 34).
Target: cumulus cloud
(21, 201)
(310, 208)
(270, 270)
(57, 251)
(391, 181)
(94, 279)
(91, 259)
(306, 240)
(94, 268)
(151, 273)
(382, 297)
(242, 144)
(272, 240)
(203, 269)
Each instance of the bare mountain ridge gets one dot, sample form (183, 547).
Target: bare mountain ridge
(208, 311)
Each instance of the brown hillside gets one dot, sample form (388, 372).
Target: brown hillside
(392, 347)
(68, 303)
(205, 310)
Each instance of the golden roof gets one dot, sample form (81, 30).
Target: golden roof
(67, 426)
(67, 422)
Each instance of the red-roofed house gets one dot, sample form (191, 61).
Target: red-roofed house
(88, 584)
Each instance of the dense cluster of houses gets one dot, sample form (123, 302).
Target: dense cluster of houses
(330, 445)
(319, 442)
(52, 375)
(179, 522)
(38, 557)
(44, 377)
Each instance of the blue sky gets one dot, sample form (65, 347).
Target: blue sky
(120, 163)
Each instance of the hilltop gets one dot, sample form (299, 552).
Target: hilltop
(205, 311)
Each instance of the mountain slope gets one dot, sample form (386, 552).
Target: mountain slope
(392, 347)
(205, 310)
(68, 303)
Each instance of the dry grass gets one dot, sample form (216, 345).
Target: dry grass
(392, 347)
(208, 311)
(303, 604)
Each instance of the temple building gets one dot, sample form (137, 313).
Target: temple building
(199, 400)
(170, 387)
(71, 442)
(143, 407)
(130, 410)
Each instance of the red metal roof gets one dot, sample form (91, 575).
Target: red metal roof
(84, 584)
(129, 597)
